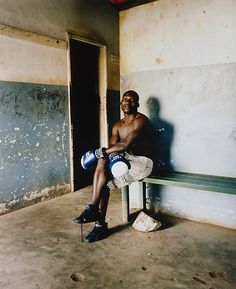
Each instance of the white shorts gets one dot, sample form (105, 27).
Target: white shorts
(141, 167)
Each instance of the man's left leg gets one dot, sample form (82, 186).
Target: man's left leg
(100, 230)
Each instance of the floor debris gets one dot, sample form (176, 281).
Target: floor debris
(77, 277)
(196, 277)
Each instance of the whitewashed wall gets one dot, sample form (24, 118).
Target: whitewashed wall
(28, 57)
(182, 54)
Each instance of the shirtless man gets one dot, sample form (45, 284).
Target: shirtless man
(132, 137)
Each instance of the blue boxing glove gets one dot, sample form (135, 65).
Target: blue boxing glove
(119, 165)
(89, 159)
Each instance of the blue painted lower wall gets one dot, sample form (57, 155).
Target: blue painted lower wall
(34, 143)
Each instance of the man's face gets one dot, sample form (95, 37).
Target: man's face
(129, 104)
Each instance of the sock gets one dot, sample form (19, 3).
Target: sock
(93, 207)
(100, 223)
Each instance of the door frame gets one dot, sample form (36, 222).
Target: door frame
(102, 91)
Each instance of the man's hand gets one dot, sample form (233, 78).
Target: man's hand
(100, 153)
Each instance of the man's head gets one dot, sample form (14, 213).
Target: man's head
(130, 102)
(133, 94)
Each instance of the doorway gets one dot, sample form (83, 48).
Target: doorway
(85, 106)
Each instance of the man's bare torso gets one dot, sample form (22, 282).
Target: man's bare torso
(143, 143)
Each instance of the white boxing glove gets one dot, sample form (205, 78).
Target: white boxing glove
(119, 165)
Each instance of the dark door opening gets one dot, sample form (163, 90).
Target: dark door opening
(85, 103)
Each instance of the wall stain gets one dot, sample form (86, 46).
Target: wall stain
(34, 138)
(34, 197)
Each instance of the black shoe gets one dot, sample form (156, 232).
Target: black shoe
(99, 232)
(90, 214)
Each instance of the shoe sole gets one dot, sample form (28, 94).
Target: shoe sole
(97, 239)
(84, 222)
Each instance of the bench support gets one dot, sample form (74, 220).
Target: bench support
(125, 203)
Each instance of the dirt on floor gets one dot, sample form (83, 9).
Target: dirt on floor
(41, 248)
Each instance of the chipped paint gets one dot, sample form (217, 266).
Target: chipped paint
(34, 141)
(43, 194)
(3, 208)
(34, 197)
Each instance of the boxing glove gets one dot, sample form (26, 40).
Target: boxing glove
(119, 165)
(89, 159)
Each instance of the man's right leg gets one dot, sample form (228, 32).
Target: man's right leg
(100, 230)
(92, 212)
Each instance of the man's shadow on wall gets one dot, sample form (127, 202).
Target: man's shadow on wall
(163, 139)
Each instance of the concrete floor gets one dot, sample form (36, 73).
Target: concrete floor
(41, 248)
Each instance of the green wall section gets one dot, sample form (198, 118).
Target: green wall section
(34, 143)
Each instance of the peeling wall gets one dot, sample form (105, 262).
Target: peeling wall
(180, 56)
(34, 121)
(34, 141)
(35, 153)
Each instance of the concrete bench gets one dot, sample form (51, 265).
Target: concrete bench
(211, 183)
